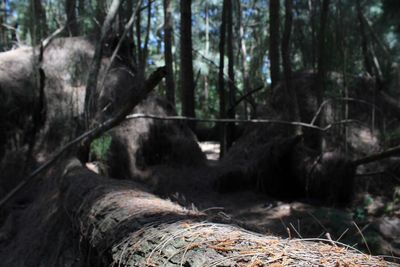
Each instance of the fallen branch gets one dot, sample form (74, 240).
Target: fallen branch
(293, 123)
(394, 151)
(87, 137)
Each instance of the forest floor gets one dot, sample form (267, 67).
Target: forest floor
(370, 223)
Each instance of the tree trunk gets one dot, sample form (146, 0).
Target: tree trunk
(207, 50)
(3, 30)
(187, 76)
(145, 51)
(285, 49)
(221, 81)
(243, 53)
(100, 16)
(232, 98)
(320, 78)
(274, 41)
(82, 15)
(91, 220)
(168, 30)
(364, 40)
(312, 9)
(91, 86)
(70, 11)
(38, 27)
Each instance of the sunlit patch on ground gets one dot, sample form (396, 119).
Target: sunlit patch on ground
(211, 149)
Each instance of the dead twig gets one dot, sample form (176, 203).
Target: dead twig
(362, 236)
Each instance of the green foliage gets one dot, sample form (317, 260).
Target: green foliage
(360, 213)
(99, 147)
(394, 204)
(343, 43)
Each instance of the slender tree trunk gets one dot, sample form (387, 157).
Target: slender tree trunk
(81, 14)
(285, 49)
(70, 11)
(187, 76)
(146, 39)
(274, 41)
(207, 49)
(128, 13)
(320, 79)
(168, 30)
(232, 98)
(364, 40)
(91, 85)
(139, 36)
(38, 27)
(100, 16)
(3, 31)
(221, 81)
(312, 8)
(243, 58)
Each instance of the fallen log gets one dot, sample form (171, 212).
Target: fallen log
(121, 224)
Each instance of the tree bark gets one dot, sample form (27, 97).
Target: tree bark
(91, 86)
(168, 30)
(364, 40)
(187, 76)
(320, 78)
(243, 53)
(221, 81)
(38, 27)
(70, 11)
(274, 42)
(285, 49)
(120, 223)
(3, 30)
(232, 98)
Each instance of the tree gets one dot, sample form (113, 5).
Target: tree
(274, 41)
(70, 11)
(221, 80)
(38, 26)
(231, 74)
(168, 30)
(290, 92)
(186, 69)
(320, 78)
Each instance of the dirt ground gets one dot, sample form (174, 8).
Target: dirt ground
(366, 223)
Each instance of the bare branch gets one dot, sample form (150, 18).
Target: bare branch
(394, 151)
(91, 85)
(126, 30)
(344, 99)
(254, 121)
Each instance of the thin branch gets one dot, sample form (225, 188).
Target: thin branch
(245, 96)
(394, 151)
(347, 99)
(126, 30)
(91, 85)
(254, 121)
